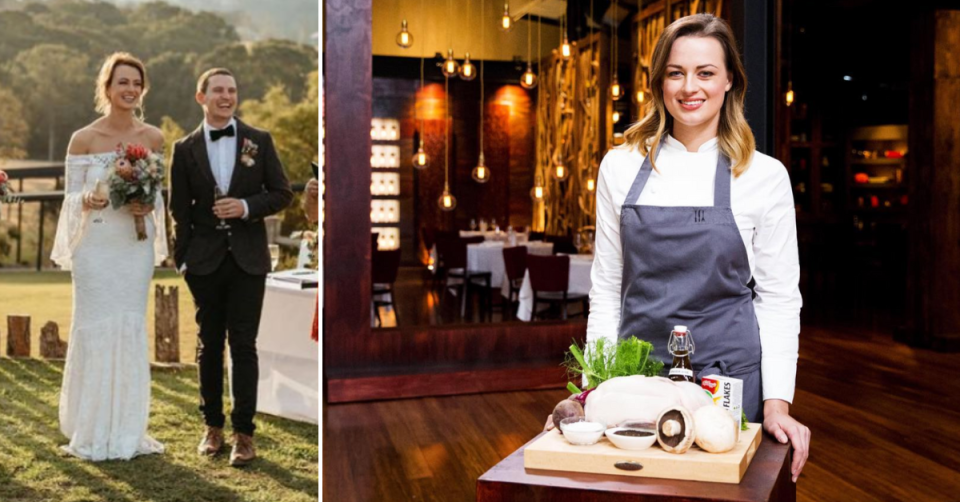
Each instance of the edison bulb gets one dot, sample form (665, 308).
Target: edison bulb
(468, 70)
(506, 22)
(536, 193)
(566, 49)
(450, 66)
(616, 116)
(790, 97)
(591, 184)
(641, 97)
(560, 172)
(420, 159)
(404, 38)
(481, 173)
(616, 90)
(529, 79)
(447, 202)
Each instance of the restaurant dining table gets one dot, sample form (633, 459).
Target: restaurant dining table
(580, 266)
(493, 235)
(487, 256)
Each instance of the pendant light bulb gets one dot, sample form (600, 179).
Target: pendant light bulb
(506, 22)
(481, 173)
(404, 38)
(537, 192)
(447, 202)
(641, 97)
(468, 70)
(591, 184)
(560, 171)
(529, 79)
(566, 49)
(616, 90)
(789, 96)
(420, 159)
(450, 66)
(616, 116)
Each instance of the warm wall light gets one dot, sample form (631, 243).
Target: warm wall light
(404, 38)
(468, 70)
(529, 79)
(566, 49)
(641, 97)
(616, 90)
(789, 96)
(506, 22)
(591, 184)
(450, 66)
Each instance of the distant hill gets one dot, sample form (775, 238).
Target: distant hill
(294, 20)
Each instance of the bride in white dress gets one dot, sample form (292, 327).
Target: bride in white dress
(105, 398)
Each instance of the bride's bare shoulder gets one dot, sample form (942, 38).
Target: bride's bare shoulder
(82, 139)
(153, 137)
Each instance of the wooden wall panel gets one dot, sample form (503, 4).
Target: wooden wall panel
(347, 98)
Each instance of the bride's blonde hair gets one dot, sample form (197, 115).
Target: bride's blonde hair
(105, 78)
(735, 139)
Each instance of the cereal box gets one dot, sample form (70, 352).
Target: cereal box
(726, 392)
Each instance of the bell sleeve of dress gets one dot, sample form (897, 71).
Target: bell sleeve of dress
(73, 219)
(160, 247)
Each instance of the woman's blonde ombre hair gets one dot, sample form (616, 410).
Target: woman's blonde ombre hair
(735, 139)
(105, 78)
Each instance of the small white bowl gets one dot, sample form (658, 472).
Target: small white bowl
(579, 431)
(631, 442)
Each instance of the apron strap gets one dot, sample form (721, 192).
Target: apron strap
(721, 185)
(641, 180)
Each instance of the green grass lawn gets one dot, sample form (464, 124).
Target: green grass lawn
(33, 468)
(48, 296)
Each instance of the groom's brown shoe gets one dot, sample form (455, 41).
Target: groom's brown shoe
(212, 442)
(243, 452)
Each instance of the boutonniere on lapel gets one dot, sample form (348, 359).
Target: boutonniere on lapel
(248, 151)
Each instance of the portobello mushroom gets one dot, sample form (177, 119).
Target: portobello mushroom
(675, 430)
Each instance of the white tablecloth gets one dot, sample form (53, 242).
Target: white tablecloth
(580, 266)
(289, 359)
(491, 235)
(487, 256)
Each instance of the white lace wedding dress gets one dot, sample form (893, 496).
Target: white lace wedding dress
(105, 398)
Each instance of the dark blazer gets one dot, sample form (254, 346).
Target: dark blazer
(263, 185)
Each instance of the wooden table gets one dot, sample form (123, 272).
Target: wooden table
(767, 479)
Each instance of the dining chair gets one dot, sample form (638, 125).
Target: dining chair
(383, 275)
(550, 281)
(515, 266)
(453, 255)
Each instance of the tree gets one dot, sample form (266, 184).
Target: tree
(59, 88)
(172, 89)
(295, 133)
(14, 130)
(260, 66)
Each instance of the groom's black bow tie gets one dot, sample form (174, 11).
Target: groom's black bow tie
(216, 134)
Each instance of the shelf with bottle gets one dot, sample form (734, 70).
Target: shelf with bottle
(876, 171)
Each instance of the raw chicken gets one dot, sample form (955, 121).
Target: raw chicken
(641, 399)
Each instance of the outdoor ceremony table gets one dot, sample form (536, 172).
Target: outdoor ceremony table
(289, 359)
(580, 266)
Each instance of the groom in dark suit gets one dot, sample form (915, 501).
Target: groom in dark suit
(224, 179)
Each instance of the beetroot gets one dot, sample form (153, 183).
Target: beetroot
(565, 409)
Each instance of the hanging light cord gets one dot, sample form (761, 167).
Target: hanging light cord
(481, 82)
(416, 109)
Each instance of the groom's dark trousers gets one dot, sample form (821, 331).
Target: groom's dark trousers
(226, 268)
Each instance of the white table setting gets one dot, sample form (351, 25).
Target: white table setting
(580, 267)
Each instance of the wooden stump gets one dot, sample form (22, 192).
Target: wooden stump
(51, 346)
(167, 317)
(18, 335)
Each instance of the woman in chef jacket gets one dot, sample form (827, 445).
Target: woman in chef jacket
(697, 228)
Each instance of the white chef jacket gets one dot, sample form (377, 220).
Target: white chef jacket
(762, 203)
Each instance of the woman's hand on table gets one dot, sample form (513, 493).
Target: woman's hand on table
(779, 424)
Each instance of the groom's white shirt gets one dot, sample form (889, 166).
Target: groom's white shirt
(222, 155)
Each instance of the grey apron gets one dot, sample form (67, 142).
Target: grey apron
(688, 266)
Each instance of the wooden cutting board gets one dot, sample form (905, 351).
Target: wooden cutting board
(553, 452)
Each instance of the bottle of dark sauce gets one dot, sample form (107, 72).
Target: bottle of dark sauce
(681, 346)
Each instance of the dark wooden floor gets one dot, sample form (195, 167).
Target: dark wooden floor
(885, 421)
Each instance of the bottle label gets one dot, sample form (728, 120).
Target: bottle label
(681, 372)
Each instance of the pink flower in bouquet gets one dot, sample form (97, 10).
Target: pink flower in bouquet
(124, 169)
(3, 177)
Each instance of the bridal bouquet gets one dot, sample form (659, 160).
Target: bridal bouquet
(6, 193)
(137, 176)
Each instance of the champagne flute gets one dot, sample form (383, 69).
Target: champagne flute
(217, 195)
(101, 190)
(274, 255)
